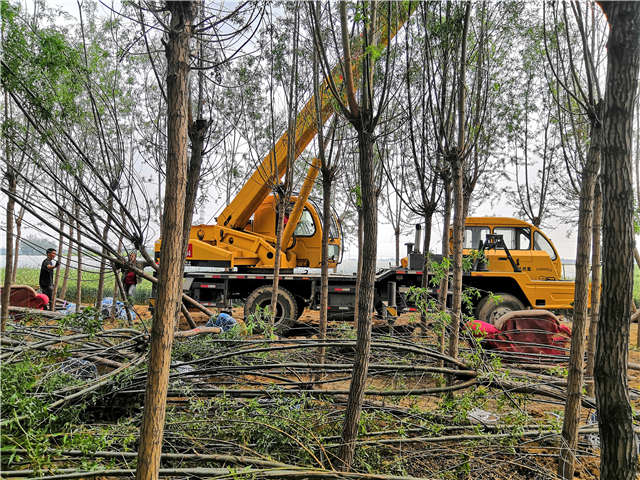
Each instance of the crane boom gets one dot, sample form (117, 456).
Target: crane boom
(273, 166)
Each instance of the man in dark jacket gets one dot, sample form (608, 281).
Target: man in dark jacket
(46, 275)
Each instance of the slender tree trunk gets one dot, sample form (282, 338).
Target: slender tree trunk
(171, 252)
(67, 263)
(79, 261)
(8, 272)
(444, 283)
(365, 299)
(197, 133)
(103, 263)
(117, 282)
(426, 246)
(566, 460)
(327, 180)
(283, 199)
(359, 267)
(596, 275)
(16, 244)
(618, 455)
(324, 272)
(56, 280)
(457, 166)
(458, 232)
(281, 207)
(396, 234)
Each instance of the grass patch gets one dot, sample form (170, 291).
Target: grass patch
(30, 276)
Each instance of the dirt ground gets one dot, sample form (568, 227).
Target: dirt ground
(587, 467)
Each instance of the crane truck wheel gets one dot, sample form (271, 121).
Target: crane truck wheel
(489, 311)
(286, 308)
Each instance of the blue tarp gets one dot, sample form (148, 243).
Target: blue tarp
(120, 310)
(223, 320)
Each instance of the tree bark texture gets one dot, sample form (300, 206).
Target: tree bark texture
(365, 298)
(78, 260)
(327, 175)
(103, 263)
(16, 243)
(618, 457)
(426, 246)
(359, 269)
(596, 282)
(171, 252)
(457, 166)
(8, 269)
(444, 282)
(67, 263)
(566, 460)
(458, 235)
(56, 279)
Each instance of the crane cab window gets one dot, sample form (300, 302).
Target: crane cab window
(306, 226)
(473, 236)
(541, 243)
(515, 238)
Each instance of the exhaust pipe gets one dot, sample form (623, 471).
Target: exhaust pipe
(418, 237)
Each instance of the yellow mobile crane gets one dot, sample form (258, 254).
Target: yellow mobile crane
(244, 236)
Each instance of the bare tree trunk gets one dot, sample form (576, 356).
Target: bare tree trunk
(566, 459)
(116, 282)
(618, 455)
(426, 246)
(444, 283)
(56, 279)
(16, 244)
(285, 195)
(365, 299)
(197, 133)
(396, 234)
(324, 272)
(67, 263)
(171, 252)
(596, 275)
(281, 207)
(8, 272)
(327, 179)
(457, 166)
(359, 267)
(458, 232)
(79, 260)
(103, 263)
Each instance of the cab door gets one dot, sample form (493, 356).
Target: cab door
(518, 241)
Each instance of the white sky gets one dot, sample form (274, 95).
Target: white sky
(563, 237)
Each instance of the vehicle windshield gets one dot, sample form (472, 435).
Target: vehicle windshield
(306, 226)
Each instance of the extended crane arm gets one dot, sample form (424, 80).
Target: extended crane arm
(273, 166)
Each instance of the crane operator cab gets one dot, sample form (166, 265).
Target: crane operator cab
(306, 241)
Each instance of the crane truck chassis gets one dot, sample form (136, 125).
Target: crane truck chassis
(520, 269)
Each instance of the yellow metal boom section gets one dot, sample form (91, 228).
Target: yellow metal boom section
(273, 166)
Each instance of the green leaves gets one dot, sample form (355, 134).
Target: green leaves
(41, 66)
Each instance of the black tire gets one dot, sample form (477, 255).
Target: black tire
(489, 311)
(301, 304)
(286, 308)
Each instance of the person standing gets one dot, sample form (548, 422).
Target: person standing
(46, 276)
(129, 276)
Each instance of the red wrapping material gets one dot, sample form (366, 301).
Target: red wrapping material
(533, 335)
(25, 296)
